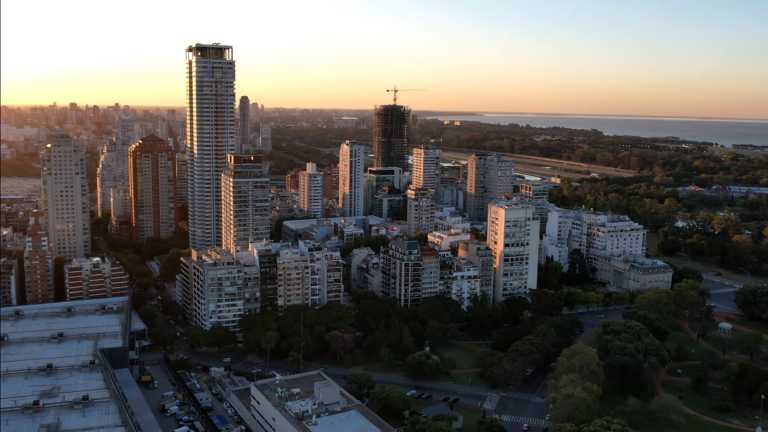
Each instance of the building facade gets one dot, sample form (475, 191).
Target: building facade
(216, 288)
(65, 197)
(38, 264)
(513, 238)
(9, 281)
(426, 167)
(311, 191)
(351, 179)
(244, 135)
(210, 137)
(110, 173)
(246, 206)
(490, 176)
(152, 184)
(421, 211)
(401, 272)
(91, 278)
(391, 130)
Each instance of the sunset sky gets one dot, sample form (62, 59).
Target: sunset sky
(643, 57)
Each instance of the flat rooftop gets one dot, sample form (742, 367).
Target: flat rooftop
(51, 378)
(313, 402)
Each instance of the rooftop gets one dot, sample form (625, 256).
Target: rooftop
(313, 402)
(51, 375)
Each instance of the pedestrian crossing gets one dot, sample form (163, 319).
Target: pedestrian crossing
(531, 421)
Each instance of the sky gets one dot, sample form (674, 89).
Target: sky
(705, 58)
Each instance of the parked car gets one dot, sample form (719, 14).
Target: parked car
(411, 393)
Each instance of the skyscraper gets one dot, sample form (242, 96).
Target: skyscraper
(244, 140)
(210, 137)
(351, 190)
(111, 172)
(311, 191)
(513, 237)
(390, 136)
(490, 176)
(152, 185)
(65, 197)
(426, 167)
(245, 202)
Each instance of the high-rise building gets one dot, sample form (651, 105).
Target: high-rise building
(537, 193)
(426, 167)
(9, 281)
(490, 176)
(120, 210)
(216, 288)
(401, 271)
(513, 238)
(111, 172)
(421, 211)
(351, 187)
(181, 180)
(152, 184)
(244, 138)
(311, 191)
(90, 278)
(390, 136)
(38, 264)
(376, 179)
(480, 256)
(210, 137)
(65, 197)
(265, 139)
(246, 206)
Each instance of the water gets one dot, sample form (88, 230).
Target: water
(722, 131)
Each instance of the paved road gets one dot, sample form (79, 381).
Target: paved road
(722, 292)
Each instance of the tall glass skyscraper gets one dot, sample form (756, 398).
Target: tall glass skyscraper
(210, 137)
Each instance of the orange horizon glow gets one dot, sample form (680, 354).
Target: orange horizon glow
(343, 55)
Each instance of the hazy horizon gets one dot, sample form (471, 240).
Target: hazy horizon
(690, 59)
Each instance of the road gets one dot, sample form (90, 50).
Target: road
(722, 292)
(513, 408)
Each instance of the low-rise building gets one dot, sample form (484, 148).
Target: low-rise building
(304, 402)
(634, 273)
(90, 278)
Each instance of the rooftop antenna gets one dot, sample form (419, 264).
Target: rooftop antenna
(394, 90)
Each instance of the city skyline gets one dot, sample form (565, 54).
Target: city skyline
(685, 60)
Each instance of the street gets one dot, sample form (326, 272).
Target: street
(722, 292)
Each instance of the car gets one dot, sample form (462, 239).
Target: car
(455, 400)
(420, 395)
(446, 399)
(526, 427)
(227, 360)
(411, 393)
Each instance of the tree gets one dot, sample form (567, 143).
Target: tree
(269, 342)
(198, 337)
(489, 424)
(749, 343)
(550, 275)
(340, 342)
(546, 303)
(221, 337)
(417, 423)
(578, 269)
(423, 365)
(606, 424)
(574, 400)
(390, 403)
(161, 332)
(360, 384)
(631, 356)
(753, 301)
(581, 360)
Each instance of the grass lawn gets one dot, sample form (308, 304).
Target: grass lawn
(462, 355)
(664, 414)
(706, 403)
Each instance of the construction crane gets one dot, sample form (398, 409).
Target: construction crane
(394, 90)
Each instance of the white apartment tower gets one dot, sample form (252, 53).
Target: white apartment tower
(311, 191)
(513, 238)
(65, 197)
(426, 167)
(351, 179)
(210, 137)
(216, 288)
(421, 210)
(246, 206)
(490, 176)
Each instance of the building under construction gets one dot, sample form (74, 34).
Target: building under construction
(390, 136)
